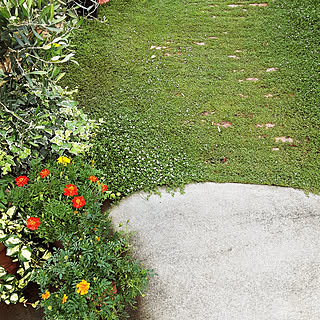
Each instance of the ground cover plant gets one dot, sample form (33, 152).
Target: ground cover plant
(202, 91)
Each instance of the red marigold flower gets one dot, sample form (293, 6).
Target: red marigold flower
(103, 187)
(21, 181)
(70, 190)
(44, 173)
(78, 202)
(33, 223)
(93, 178)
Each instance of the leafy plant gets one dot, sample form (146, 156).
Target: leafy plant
(63, 201)
(24, 250)
(37, 115)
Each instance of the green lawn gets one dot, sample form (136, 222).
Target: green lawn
(170, 79)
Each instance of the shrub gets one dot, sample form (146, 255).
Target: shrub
(37, 115)
(66, 198)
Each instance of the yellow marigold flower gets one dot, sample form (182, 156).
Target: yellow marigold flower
(83, 287)
(64, 299)
(45, 295)
(64, 160)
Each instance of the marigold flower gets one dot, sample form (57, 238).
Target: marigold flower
(83, 287)
(44, 173)
(33, 223)
(78, 202)
(63, 160)
(70, 190)
(98, 238)
(45, 295)
(64, 299)
(93, 178)
(21, 181)
(103, 187)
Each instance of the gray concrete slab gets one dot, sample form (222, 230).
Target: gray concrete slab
(227, 251)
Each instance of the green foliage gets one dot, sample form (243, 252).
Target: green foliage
(22, 248)
(115, 279)
(162, 106)
(44, 198)
(36, 115)
(91, 250)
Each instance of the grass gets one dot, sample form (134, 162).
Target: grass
(162, 106)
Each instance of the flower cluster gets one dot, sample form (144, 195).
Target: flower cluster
(83, 287)
(94, 179)
(78, 202)
(70, 190)
(55, 197)
(44, 173)
(33, 223)
(64, 160)
(22, 181)
(45, 295)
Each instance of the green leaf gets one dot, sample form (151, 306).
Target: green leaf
(36, 34)
(18, 40)
(38, 72)
(4, 13)
(55, 58)
(12, 241)
(67, 57)
(51, 11)
(60, 76)
(26, 253)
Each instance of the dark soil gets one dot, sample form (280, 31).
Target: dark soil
(19, 311)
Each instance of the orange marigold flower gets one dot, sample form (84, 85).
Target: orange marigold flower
(64, 298)
(21, 181)
(98, 238)
(33, 223)
(103, 187)
(44, 173)
(78, 202)
(93, 178)
(45, 295)
(83, 287)
(70, 190)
